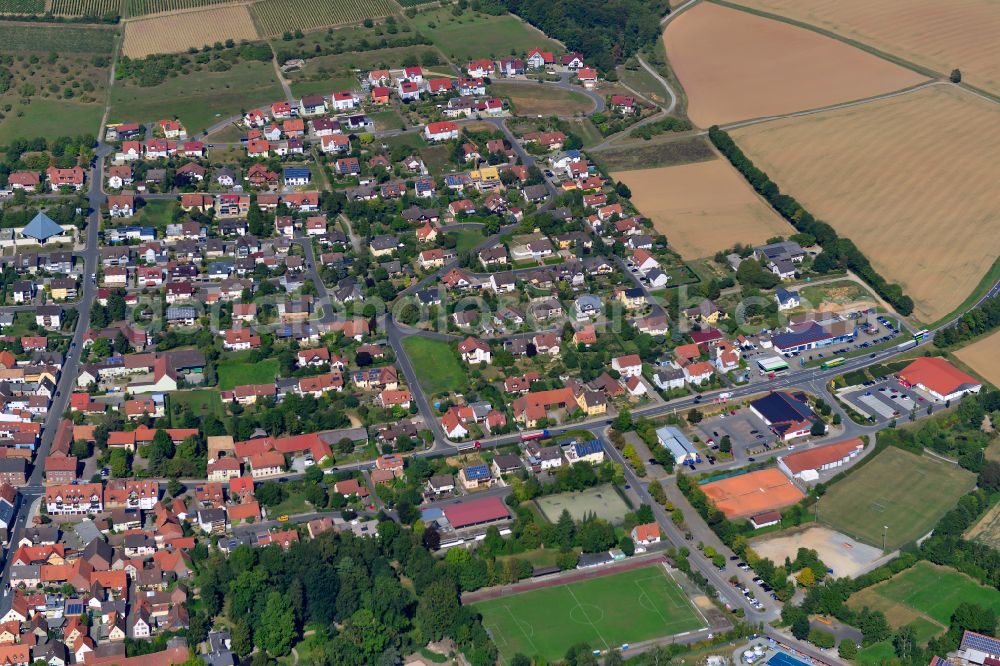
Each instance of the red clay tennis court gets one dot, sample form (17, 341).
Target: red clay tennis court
(752, 493)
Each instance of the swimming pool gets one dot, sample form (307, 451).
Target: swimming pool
(785, 659)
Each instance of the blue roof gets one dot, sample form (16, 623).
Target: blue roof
(981, 642)
(573, 152)
(296, 172)
(780, 407)
(809, 335)
(785, 295)
(477, 472)
(588, 448)
(42, 228)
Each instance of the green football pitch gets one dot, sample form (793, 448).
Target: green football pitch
(604, 612)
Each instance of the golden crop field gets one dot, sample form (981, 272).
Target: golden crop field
(912, 180)
(983, 356)
(735, 65)
(930, 33)
(703, 207)
(175, 33)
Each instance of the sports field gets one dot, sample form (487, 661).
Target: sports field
(901, 490)
(604, 612)
(602, 501)
(735, 65)
(702, 208)
(983, 356)
(919, 199)
(929, 33)
(925, 595)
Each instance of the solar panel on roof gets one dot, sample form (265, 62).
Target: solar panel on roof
(986, 644)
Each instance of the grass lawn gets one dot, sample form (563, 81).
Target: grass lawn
(877, 653)
(543, 100)
(925, 596)
(386, 120)
(468, 238)
(539, 557)
(233, 373)
(437, 159)
(583, 128)
(50, 118)
(156, 213)
(201, 401)
(603, 612)
(473, 35)
(294, 504)
(643, 82)
(436, 364)
(413, 141)
(324, 87)
(874, 496)
(199, 99)
(228, 134)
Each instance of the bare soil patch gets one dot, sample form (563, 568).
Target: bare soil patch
(983, 356)
(987, 530)
(734, 65)
(918, 197)
(177, 32)
(846, 556)
(702, 207)
(933, 34)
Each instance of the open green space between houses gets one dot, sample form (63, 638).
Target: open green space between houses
(240, 371)
(436, 364)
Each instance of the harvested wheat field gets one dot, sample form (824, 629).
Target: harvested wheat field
(735, 65)
(983, 356)
(177, 32)
(933, 34)
(702, 208)
(912, 180)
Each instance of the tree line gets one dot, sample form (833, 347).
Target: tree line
(973, 323)
(837, 251)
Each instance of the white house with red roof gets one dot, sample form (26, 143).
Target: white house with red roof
(441, 131)
(343, 101)
(538, 59)
(475, 351)
(628, 366)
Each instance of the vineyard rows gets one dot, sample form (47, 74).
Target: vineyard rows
(22, 6)
(86, 7)
(143, 7)
(275, 17)
(43, 38)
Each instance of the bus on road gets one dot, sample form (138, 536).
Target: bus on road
(833, 363)
(920, 335)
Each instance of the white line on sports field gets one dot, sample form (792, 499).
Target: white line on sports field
(598, 631)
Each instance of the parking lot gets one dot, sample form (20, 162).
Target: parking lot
(746, 431)
(887, 399)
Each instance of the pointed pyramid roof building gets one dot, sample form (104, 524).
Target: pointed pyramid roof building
(42, 228)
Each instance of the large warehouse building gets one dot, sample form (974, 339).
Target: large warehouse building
(939, 378)
(788, 416)
(806, 465)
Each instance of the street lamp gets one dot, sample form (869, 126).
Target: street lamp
(885, 528)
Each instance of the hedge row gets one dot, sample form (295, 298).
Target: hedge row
(842, 250)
